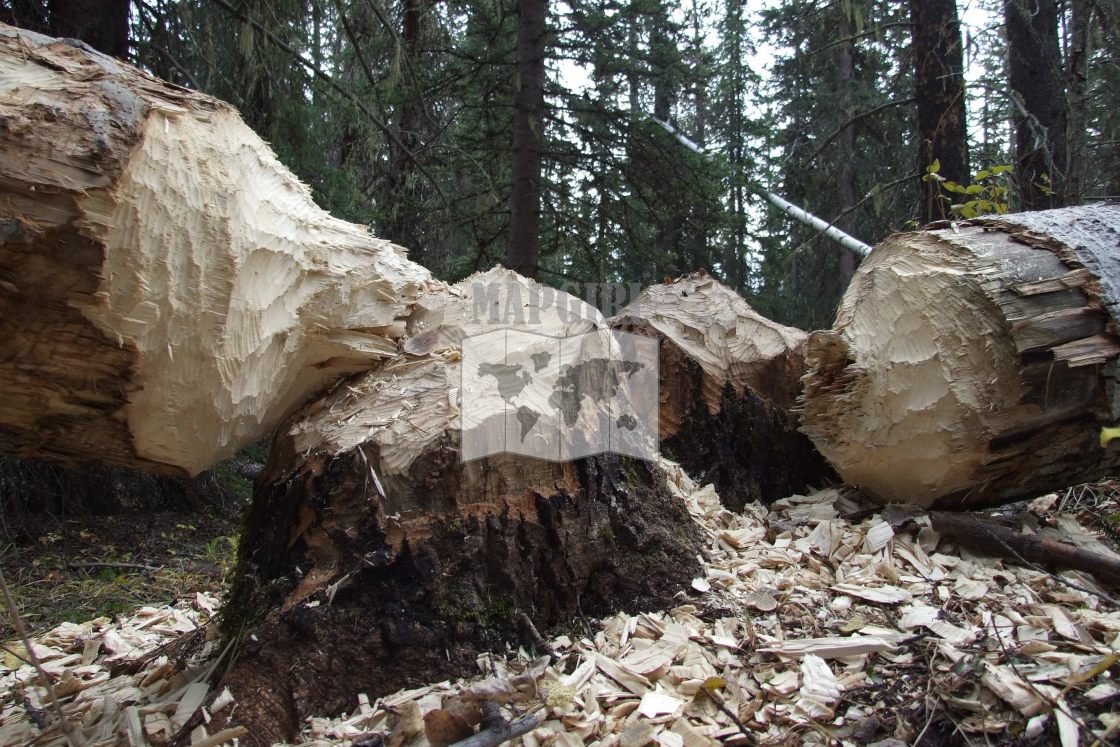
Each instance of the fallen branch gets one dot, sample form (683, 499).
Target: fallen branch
(988, 536)
(129, 566)
(529, 631)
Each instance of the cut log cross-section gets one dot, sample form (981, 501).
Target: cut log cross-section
(976, 363)
(168, 290)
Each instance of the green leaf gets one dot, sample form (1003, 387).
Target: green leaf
(953, 187)
(1108, 435)
(1002, 169)
(934, 167)
(974, 189)
(982, 174)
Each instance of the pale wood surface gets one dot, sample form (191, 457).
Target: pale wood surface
(975, 363)
(169, 290)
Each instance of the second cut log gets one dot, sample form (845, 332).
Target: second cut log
(974, 364)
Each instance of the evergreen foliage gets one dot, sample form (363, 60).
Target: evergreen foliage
(664, 122)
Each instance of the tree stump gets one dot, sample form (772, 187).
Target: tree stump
(374, 557)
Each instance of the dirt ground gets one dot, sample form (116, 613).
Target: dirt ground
(79, 568)
(951, 646)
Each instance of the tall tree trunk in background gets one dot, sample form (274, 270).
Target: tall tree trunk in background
(528, 136)
(102, 24)
(846, 142)
(664, 55)
(1038, 99)
(399, 228)
(28, 14)
(939, 91)
(256, 106)
(1077, 84)
(734, 38)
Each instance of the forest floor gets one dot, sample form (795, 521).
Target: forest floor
(814, 621)
(77, 569)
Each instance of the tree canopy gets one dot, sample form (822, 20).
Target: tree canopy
(605, 141)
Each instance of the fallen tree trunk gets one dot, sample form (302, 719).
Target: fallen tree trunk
(974, 364)
(730, 379)
(169, 292)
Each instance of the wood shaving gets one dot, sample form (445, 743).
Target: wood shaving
(801, 623)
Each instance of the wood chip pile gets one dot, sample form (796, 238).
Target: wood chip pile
(817, 621)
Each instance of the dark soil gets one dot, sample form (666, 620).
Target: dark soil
(76, 569)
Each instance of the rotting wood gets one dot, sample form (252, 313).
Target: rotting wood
(169, 291)
(975, 363)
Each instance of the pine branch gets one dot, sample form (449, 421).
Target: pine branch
(330, 81)
(862, 115)
(862, 34)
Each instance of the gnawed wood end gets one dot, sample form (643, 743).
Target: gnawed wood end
(967, 366)
(729, 382)
(170, 290)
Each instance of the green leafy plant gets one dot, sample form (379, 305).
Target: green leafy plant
(986, 194)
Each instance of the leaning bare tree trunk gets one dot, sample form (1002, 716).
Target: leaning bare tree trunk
(974, 364)
(168, 291)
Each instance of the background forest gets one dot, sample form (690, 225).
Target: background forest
(648, 131)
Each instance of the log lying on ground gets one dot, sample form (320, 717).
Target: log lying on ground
(974, 364)
(729, 385)
(168, 290)
(374, 557)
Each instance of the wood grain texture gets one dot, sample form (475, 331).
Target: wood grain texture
(169, 291)
(973, 364)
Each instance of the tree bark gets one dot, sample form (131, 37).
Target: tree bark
(1077, 86)
(528, 138)
(169, 292)
(976, 364)
(846, 260)
(1038, 100)
(939, 91)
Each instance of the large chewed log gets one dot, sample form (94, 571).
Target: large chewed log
(168, 290)
(375, 557)
(974, 363)
(730, 379)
